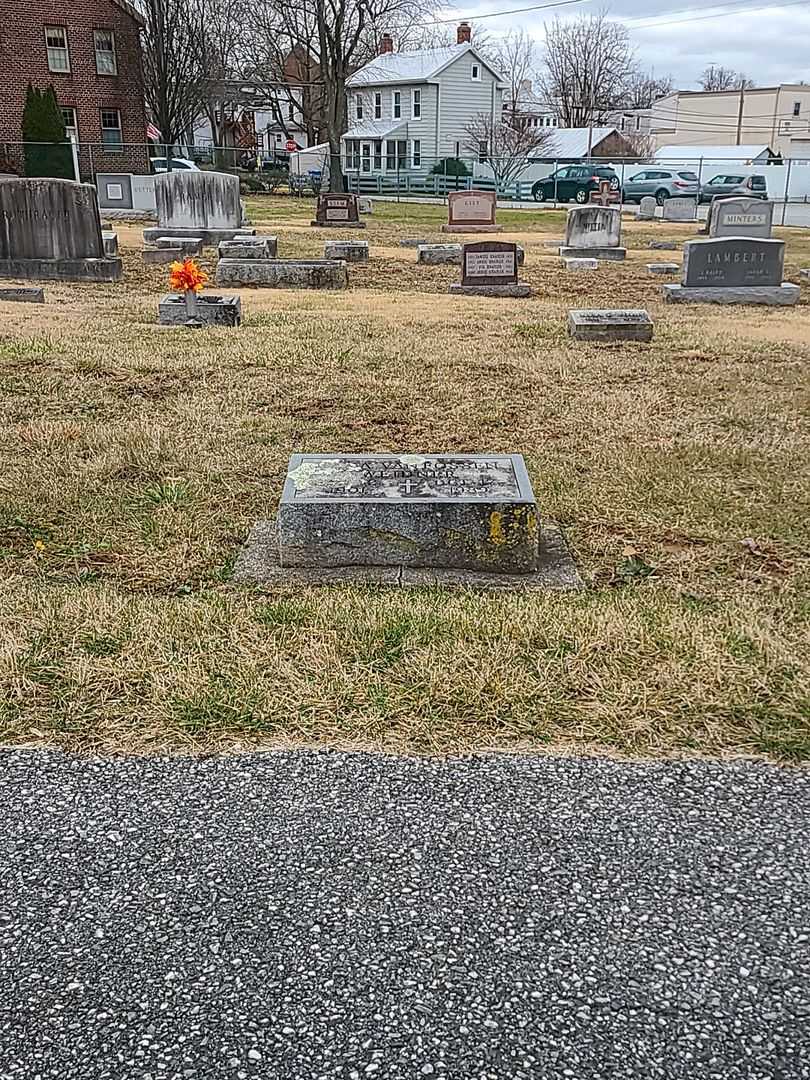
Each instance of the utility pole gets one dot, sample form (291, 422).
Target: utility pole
(740, 113)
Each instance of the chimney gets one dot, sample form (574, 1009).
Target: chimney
(464, 33)
(386, 44)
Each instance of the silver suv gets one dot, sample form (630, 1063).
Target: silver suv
(662, 184)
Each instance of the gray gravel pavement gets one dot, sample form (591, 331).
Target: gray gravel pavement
(325, 915)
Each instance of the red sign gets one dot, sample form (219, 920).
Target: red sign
(292, 146)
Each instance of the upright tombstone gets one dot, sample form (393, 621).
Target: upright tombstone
(733, 270)
(337, 210)
(740, 216)
(125, 191)
(607, 195)
(679, 209)
(593, 232)
(490, 268)
(201, 204)
(471, 212)
(50, 230)
(646, 208)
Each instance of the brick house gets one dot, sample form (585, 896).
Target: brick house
(90, 52)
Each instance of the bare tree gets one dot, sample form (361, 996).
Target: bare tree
(723, 78)
(588, 66)
(515, 59)
(505, 147)
(221, 29)
(173, 69)
(643, 90)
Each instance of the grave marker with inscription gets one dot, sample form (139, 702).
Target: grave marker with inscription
(620, 324)
(201, 204)
(51, 230)
(679, 209)
(741, 217)
(733, 270)
(471, 211)
(473, 511)
(646, 208)
(593, 232)
(489, 268)
(338, 211)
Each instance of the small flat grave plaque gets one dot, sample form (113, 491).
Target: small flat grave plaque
(628, 324)
(471, 511)
(489, 263)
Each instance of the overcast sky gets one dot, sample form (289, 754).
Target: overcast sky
(769, 44)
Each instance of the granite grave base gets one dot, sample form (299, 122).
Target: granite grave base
(249, 247)
(209, 237)
(353, 251)
(212, 310)
(189, 245)
(153, 256)
(518, 291)
(338, 224)
(772, 295)
(611, 254)
(283, 273)
(663, 268)
(662, 245)
(450, 254)
(472, 228)
(105, 269)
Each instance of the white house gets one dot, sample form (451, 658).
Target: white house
(409, 110)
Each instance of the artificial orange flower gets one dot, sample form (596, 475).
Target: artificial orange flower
(186, 276)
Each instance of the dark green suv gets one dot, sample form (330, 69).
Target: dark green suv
(573, 182)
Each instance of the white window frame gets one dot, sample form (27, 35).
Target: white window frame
(416, 153)
(378, 155)
(358, 106)
(112, 148)
(396, 104)
(416, 104)
(378, 104)
(475, 73)
(105, 52)
(483, 151)
(74, 127)
(51, 50)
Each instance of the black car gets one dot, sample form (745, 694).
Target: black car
(573, 182)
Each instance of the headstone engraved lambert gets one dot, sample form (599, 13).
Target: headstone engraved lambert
(51, 230)
(593, 232)
(679, 209)
(733, 270)
(471, 211)
(741, 217)
(336, 210)
(404, 519)
(198, 204)
(490, 268)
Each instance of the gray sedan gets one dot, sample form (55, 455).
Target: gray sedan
(662, 184)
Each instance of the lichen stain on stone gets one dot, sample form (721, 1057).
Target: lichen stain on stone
(311, 474)
(496, 535)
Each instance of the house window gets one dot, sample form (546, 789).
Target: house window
(111, 131)
(69, 116)
(483, 151)
(57, 45)
(378, 105)
(416, 153)
(416, 105)
(104, 41)
(358, 106)
(396, 106)
(396, 154)
(458, 150)
(378, 156)
(797, 108)
(476, 72)
(353, 153)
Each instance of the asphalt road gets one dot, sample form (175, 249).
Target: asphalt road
(309, 916)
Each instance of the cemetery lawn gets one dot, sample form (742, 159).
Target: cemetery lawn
(135, 458)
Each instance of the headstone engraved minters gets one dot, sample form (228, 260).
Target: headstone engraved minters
(489, 268)
(741, 217)
(338, 210)
(733, 270)
(593, 232)
(51, 230)
(473, 511)
(471, 211)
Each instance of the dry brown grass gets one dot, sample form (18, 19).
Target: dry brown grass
(135, 458)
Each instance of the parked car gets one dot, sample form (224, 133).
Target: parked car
(754, 186)
(662, 184)
(573, 182)
(178, 163)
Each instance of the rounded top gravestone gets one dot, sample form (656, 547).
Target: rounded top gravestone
(741, 216)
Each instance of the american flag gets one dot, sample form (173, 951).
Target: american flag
(152, 132)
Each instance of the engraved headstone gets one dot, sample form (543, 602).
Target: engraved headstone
(51, 230)
(679, 209)
(733, 270)
(629, 324)
(646, 208)
(606, 195)
(125, 191)
(489, 268)
(202, 204)
(593, 232)
(338, 210)
(470, 511)
(741, 217)
(471, 211)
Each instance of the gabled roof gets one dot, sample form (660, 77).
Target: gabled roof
(713, 153)
(417, 66)
(373, 129)
(573, 142)
(131, 10)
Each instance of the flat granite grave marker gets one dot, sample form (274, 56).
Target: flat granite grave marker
(408, 519)
(662, 245)
(737, 216)
(581, 264)
(593, 232)
(21, 294)
(471, 211)
(733, 270)
(249, 247)
(490, 268)
(353, 251)
(338, 211)
(50, 230)
(663, 268)
(679, 209)
(212, 310)
(283, 273)
(627, 324)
